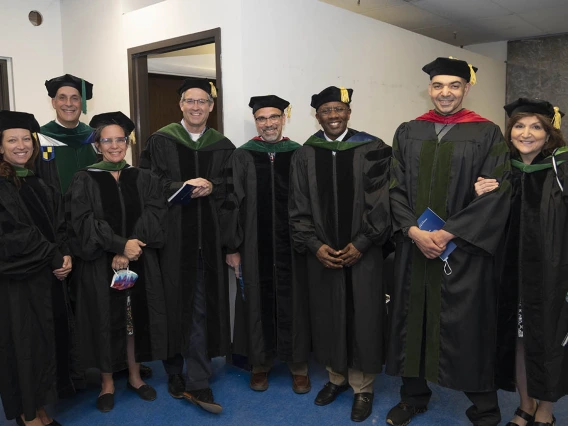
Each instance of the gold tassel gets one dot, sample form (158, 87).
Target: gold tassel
(213, 90)
(34, 134)
(132, 138)
(557, 119)
(472, 76)
(344, 95)
(289, 111)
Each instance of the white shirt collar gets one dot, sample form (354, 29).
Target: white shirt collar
(57, 121)
(340, 138)
(193, 136)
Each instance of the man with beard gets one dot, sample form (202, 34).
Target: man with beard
(444, 312)
(259, 236)
(193, 270)
(340, 218)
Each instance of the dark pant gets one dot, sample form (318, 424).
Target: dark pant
(197, 362)
(484, 411)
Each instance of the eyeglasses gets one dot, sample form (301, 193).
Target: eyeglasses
(200, 102)
(327, 111)
(108, 141)
(273, 118)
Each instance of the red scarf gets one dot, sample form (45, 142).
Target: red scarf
(463, 116)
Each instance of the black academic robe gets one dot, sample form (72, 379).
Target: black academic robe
(535, 271)
(443, 326)
(340, 196)
(34, 351)
(193, 230)
(260, 232)
(102, 214)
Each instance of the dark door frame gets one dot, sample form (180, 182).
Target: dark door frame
(138, 79)
(4, 86)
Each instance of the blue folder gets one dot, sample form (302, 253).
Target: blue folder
(430, 221)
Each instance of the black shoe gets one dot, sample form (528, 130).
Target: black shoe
(329, 392)
(176, 385)
(523, 415)
(545, 424)
(146, 392)
(145, 371)
(362, 406)
(401, 414)
(105, 402)
(204, 399)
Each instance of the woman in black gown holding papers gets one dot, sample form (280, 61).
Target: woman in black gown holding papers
(116, 219)
(34, 261)
(533, 302)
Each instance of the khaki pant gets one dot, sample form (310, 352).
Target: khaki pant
(359, 381)
(296, 368)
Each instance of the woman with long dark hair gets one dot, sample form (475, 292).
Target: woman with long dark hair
(34, 262)
(533, 301)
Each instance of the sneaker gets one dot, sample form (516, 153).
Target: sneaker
(204, 399)
(402, 413)
(176, 385)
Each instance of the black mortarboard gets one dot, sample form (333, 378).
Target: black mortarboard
(109, 118)
(54, 84)
(332, 94)
(535, 106)
(268, 101)
(200, 83)
(18, 120)
(451, 66)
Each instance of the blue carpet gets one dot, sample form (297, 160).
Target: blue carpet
(277, 406)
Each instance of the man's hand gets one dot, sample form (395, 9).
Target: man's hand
(234, 261)
(65, 269)
(484, 185)
(425, 242)
(119, 262)
(202, 187)
(132, 249)
(442, 238)
(350, 255)
(328, 257)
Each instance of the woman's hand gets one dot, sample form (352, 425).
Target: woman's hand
(132, 249)
(234, 261)
(484, 185)
(65, 269)
(119, 262)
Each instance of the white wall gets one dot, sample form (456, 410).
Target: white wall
(320, 45)
(496, 50)
(325, 45)
(107, 34)
(36, 52)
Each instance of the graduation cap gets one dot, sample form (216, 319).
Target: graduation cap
(536, 106)
(110, 118)
(18, 120)
(199, 83)
(451, 66)
(332, 94)
(83, 86)
(269, 101)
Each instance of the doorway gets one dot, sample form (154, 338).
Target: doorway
(150, 81)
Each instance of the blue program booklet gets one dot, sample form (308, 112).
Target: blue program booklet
(183, 195)
(430, 221)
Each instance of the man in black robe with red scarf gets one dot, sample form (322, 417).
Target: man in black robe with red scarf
(340, 219)
(444, 315)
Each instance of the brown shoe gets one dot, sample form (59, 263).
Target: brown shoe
(259, 382)
(301, 384)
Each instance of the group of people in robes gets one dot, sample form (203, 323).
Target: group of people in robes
(476, 302)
